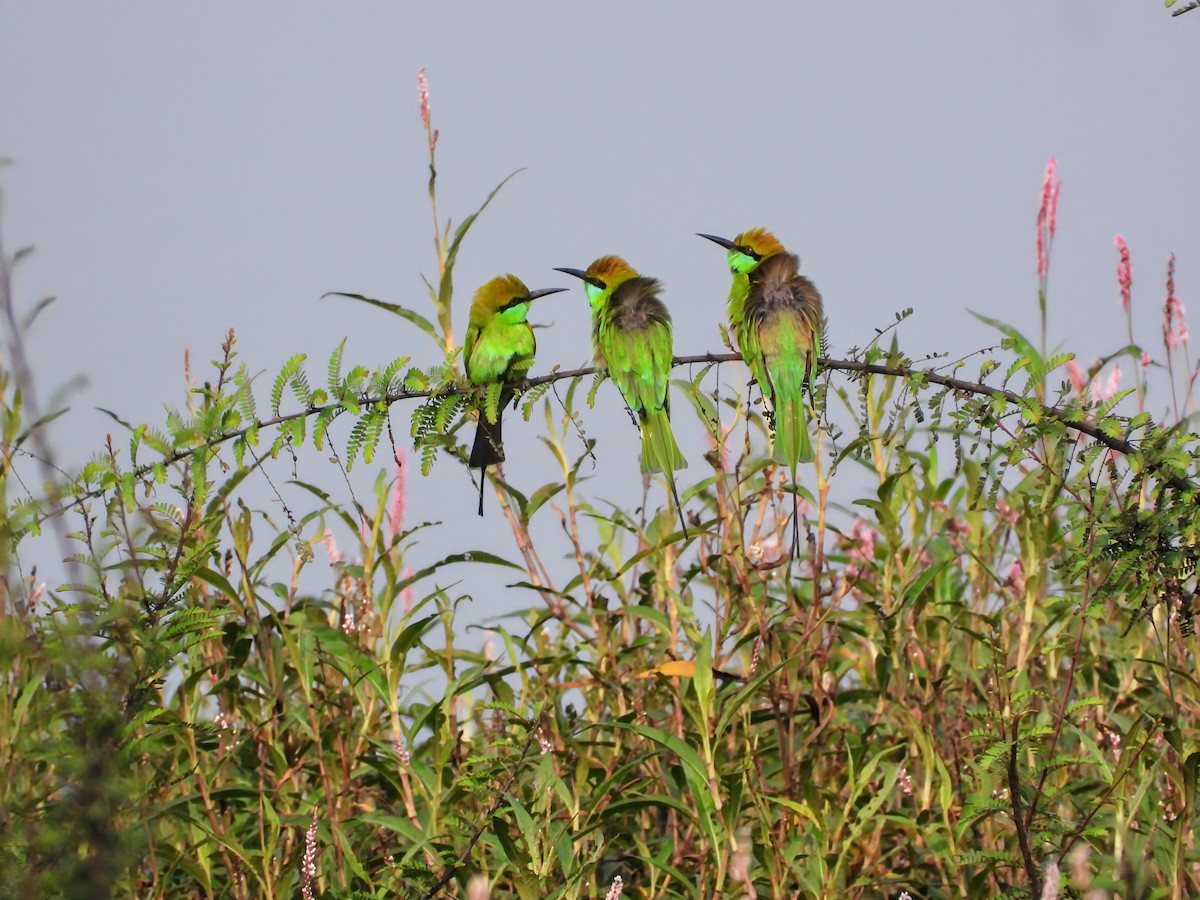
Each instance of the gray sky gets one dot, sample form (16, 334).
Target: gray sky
(187, 168)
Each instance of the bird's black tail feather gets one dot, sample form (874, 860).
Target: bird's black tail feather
(678, 505)
(488, 449)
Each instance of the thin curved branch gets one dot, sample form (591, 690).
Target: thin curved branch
(1070, 418)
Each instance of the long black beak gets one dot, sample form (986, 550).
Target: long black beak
(533, 295)
(724, 242)
(578, 273)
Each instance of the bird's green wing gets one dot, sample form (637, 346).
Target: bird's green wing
(662, 342)
(750, 346)
(639, 361)
(786, 341)
(625, 355)
(472, 337)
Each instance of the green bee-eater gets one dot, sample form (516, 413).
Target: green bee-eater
(499, 347)
(633, 343)
(777, 320)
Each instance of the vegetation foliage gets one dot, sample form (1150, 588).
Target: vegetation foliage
(978, 680)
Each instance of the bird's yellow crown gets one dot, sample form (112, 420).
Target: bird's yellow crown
(612, 270)
(499, 293)
(760, 241)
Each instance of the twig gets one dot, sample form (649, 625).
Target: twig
(1070, 417)
(1014, 791)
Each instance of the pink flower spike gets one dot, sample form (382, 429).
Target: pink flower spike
(1146, 360)
(1043, 264)
(1104, 391)
(1047, 187)
(308, 868)
(331, 548)
(865, 535)
(423, 87)
(396, 508)
(1052, 215)
(1046, 219)
(1174, 327)
(1124, 272)
(1016, 577)
(401, 753)
(406, 596)
(1114, 380)
(1075, 373)
(860, 557)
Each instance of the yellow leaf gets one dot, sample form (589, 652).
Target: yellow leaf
(682, 668)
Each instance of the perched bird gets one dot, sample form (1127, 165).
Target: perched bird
(499, 347)
(777, 320)
(633, 342)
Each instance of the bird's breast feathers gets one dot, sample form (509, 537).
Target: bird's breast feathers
(498, 354)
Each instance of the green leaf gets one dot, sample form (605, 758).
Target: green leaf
(290, 368)
(446, 286)
(335, 369)
(407, 314)
(1021, 344)
(406, 639)
(694, 769)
